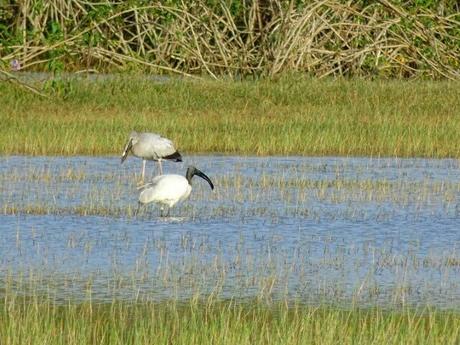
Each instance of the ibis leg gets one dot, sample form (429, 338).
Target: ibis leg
(162, 209)
(161, 169)
(143, 169)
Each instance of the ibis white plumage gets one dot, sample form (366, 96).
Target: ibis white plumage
(168, 190)
(150, 146)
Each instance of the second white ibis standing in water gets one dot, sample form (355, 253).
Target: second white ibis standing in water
(150, 146)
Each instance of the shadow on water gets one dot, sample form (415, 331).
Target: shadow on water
(351, 230)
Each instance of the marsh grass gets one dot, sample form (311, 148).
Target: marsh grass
(297, 191)
(95, 261)
(286, 250)
(290, 116)
(36, 320)
(200, 296)
(194, 290)
(235, 38)
(33, 322)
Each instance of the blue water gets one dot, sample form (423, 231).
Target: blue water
(361, 230)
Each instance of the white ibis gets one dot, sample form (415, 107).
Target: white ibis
(150, 146)
(168, 190)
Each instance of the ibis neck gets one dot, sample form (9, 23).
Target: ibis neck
(189, 176)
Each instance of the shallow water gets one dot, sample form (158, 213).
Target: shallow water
(340, 230)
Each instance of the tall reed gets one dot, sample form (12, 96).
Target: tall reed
(235, 38)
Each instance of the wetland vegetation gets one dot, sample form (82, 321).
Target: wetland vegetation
(232, 38)
(287, 249)
(290, 116)
(36, 320)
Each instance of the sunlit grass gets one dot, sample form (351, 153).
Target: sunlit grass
(293, 115)
(39, 321)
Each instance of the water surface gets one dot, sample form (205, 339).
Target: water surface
(342, 230)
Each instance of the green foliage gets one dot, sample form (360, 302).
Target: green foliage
(58, 87)
(99, 12)
(54, 32)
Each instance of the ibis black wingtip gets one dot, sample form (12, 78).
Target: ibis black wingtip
(176, 157)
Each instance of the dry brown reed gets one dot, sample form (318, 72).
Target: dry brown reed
(235, 38)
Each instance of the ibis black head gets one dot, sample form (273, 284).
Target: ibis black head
(131, 141)
(192, 171)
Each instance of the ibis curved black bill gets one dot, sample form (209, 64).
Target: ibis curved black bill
(204, 177)
(128, 147)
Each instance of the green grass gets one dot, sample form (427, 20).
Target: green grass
(35, 321)
(290, 116)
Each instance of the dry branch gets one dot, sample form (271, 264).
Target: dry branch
(321, 38)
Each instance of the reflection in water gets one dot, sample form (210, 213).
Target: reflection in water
(373, 231)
